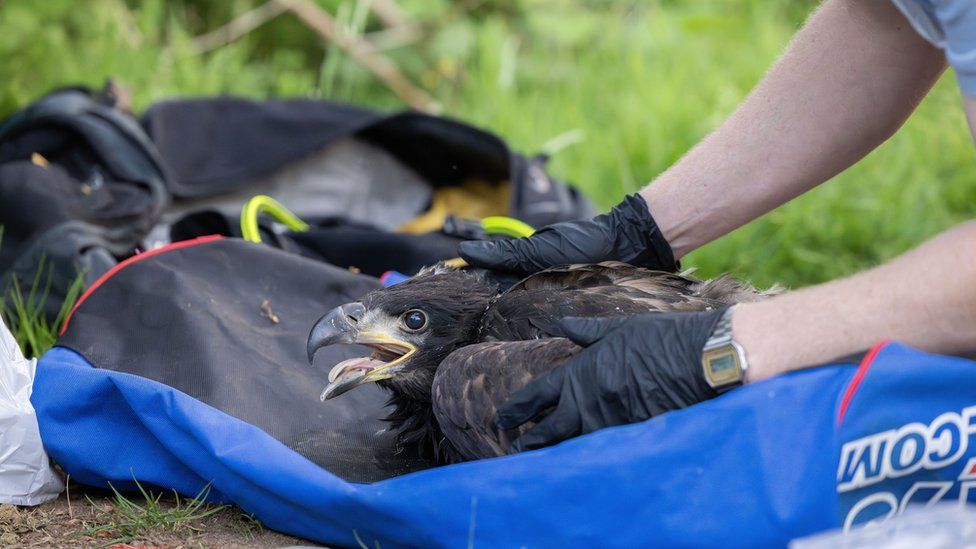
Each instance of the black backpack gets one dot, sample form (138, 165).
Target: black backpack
(80, 185)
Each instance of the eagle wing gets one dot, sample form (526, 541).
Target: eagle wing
(474, 381)
(520, 340)
(533, 307)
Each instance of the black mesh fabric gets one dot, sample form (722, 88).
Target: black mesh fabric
(192, 317)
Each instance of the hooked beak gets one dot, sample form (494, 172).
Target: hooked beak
(341, 325)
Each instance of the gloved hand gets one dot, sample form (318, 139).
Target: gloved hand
(627, 233)
(632, 369)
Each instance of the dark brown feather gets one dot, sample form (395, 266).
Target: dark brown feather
(533, 307)
(474, 381)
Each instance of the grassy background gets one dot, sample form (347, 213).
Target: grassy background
(639, 81)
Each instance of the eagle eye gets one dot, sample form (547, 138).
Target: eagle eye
(414, 320)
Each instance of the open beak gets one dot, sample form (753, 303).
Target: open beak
(341, 325)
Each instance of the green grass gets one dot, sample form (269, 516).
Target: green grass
(133, 520)
(638, 81)
(22, 309)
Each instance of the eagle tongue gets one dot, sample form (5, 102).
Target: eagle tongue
(351, 366)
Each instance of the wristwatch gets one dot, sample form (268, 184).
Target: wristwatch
(723, 360)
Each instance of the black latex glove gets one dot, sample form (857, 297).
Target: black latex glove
(627, 233)
(633, 368)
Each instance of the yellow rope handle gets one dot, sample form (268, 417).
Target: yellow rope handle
(265, 204)
(508, 226)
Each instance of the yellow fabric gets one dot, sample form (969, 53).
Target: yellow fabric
(471, 200)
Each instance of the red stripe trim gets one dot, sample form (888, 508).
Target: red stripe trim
(862, 370)
(139, 257)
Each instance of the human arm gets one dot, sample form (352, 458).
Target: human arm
(848, 80)
(925, 298)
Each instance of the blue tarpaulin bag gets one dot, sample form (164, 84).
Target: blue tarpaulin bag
(825, 448)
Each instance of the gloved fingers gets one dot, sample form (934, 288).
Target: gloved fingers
(563, 423)
(587, 331)
(627, 233)
(529, 401)
(523, 256)
(491, 254)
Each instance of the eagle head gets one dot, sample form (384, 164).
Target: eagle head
(410, 327)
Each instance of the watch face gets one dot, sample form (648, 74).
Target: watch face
(722, 366)
(722, 363)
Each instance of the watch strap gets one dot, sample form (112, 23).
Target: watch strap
(722, 333)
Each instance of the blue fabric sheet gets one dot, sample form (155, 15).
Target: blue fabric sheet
(756, 467)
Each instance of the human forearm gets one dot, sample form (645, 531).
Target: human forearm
(924, 298)
(969, 103)
(850, 78)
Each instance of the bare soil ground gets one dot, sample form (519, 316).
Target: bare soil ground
(60, 524)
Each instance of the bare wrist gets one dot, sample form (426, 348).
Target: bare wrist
(743, 322)
(676, 226)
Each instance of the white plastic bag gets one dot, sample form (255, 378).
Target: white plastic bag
(938, 526)
(26, 475)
